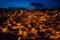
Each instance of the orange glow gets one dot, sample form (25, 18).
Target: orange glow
(4, 30)
(31, 24)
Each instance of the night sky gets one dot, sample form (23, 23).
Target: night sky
(26, 3)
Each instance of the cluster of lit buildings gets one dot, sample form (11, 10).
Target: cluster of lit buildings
(31, 24)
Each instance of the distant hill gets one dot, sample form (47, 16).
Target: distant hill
(13, 8)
